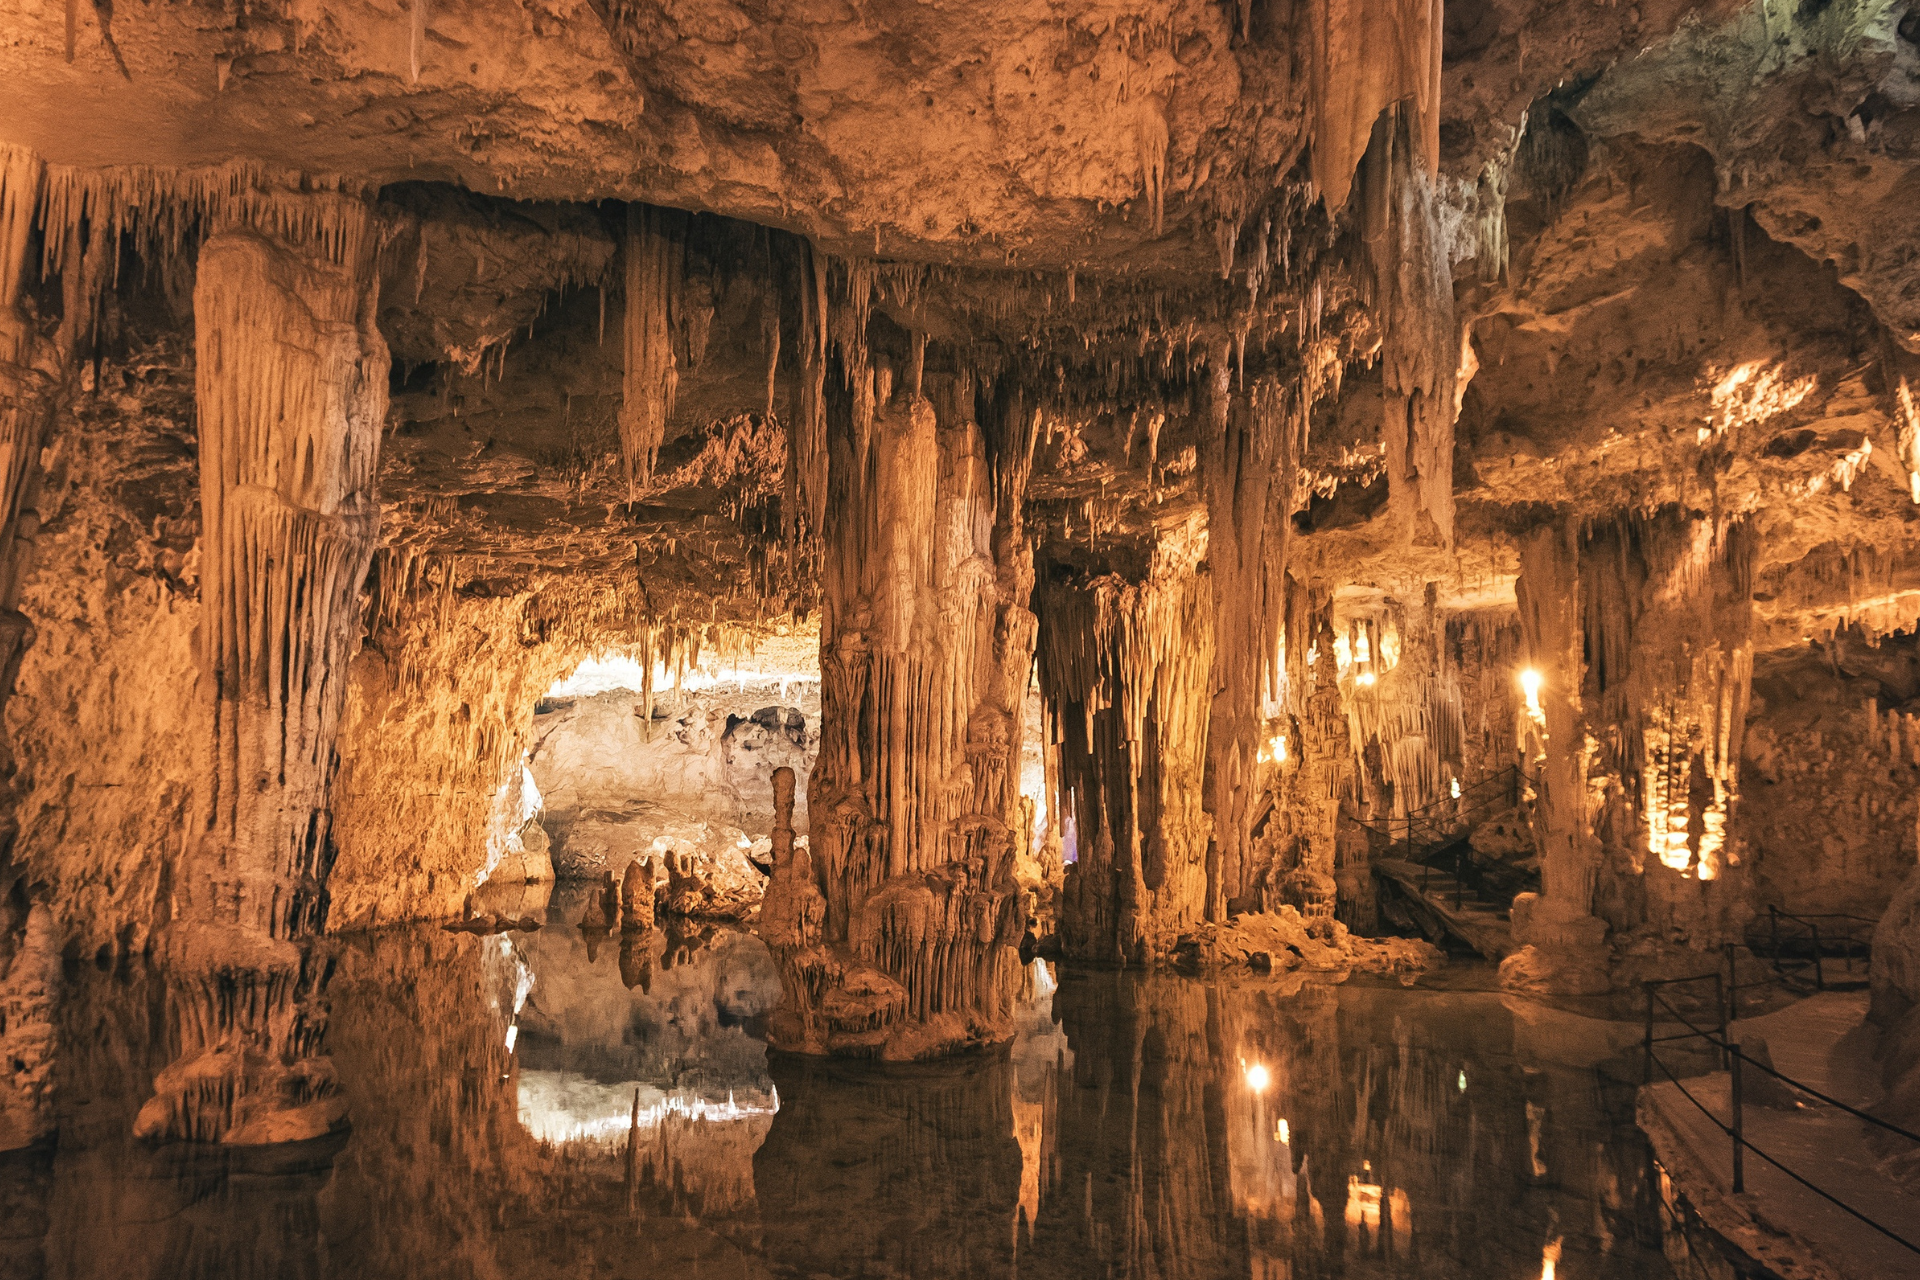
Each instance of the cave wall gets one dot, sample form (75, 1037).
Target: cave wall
(703, 776)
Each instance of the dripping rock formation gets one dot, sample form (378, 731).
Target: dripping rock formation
(1305, 488)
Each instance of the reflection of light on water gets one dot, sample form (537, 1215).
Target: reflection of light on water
(1463, 1081)
(1257, 1078)
(1281, 1133)
(557, 1106)
(1550, 1259)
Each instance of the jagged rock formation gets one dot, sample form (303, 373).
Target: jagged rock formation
(925, 640)
(1321, 410)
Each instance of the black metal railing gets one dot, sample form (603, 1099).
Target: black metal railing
(1737, 1064)
(1425, 835)
(1809, 936)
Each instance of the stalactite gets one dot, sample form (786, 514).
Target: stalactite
(655, 258)
(1365, 56)
(27, 395)
(806, 501)
(1254, 442)
(1125, 669)
(1420, 346)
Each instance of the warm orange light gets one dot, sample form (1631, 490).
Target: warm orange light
(1257, 1079)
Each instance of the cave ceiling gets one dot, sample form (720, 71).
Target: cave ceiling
(1680, 238)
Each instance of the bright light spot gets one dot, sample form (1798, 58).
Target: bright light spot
(1280, 748)
(1453, 785)
(513, 1033)
(1550, 1259)
(1283, 1134)
(1257, 1079)
(1530, 685)
(1463, 1082)
(1363, 1202)
(1364, 678)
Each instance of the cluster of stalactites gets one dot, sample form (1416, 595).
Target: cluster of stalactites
(291, 385)
(655, 258)
(1250, 476)
(1646, 623)
(1125, 670)
(160, 212)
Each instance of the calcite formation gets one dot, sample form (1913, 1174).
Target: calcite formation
(1050, 478)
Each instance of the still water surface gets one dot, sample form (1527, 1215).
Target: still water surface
(1140, 1126)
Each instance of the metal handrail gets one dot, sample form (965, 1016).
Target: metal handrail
(1810, 921)
(1737, 1060)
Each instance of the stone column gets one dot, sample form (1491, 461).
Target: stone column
(1126, 669)
(292, 394)
(897, 932)
(1561, 941)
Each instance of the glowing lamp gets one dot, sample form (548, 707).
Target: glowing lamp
(1257, 1078)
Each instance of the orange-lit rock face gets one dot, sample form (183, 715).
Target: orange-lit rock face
(1155, 444)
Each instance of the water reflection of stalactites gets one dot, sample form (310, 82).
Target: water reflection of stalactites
(419, 1035)
(116, 1206)
(1283, 1129)
(1423, 1141)
(1141, 1183)
(899, 1171)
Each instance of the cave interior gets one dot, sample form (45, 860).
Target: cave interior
(744, 624)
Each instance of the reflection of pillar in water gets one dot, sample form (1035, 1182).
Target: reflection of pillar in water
(904, 1170)
(1142, 1182)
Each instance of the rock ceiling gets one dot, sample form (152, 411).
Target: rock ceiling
(1638, 202)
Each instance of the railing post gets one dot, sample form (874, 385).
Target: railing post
(1819, 969)
(1720, 1007)
(1739, 1137)
(1648, 988)
(1731, 1011)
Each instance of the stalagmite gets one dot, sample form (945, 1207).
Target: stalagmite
(636, 896)
(925, 646)
(1252, 451)
(1125, 668)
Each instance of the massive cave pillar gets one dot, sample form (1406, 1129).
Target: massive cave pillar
(292, 393)
(1561, 941)
(29, 946)
(1253, 446)
(1126, 671)
(897, 931)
